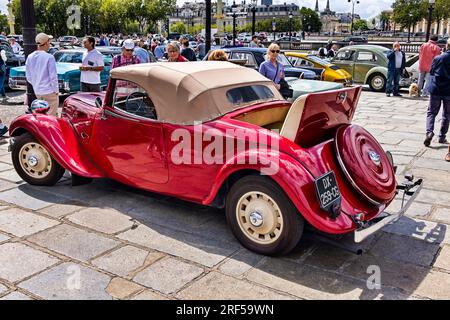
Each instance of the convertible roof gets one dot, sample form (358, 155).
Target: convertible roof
(190, 92)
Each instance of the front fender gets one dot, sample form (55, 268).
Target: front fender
(297, 183)
(60, 140)
(381, 70)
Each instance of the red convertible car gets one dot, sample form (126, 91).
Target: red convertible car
(221, 135)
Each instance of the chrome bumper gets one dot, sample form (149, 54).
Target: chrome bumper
(410, 189)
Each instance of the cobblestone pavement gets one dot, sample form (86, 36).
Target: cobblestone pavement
(106, 241)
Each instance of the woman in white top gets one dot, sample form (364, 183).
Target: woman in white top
(3, 60)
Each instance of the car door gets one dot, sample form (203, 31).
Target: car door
(365, 60)
(128, 140)
(344, 59)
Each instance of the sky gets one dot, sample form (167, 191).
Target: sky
(366, 9)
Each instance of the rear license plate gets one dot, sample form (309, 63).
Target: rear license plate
(328, 191)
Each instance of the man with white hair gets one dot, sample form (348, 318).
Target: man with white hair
(439, 95)
(396, 66)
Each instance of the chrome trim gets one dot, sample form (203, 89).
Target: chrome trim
(362, 234)
(347, 174)
(113, 114)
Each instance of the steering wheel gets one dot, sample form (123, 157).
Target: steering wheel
(140, 108)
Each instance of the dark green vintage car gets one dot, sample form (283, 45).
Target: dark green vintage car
(368, 65)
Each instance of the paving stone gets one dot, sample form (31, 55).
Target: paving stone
(149, 296)
(3, 237)
(11, 176)
(434, 153)
(405, 249)
(394, 274)
(125, 260)
(86, 193)
(308, 282)
(3, 289)
(6, 158)
(205, 251)
(18, 261)
(5, 166)
(168, 275)
(217, 286)
(31, 198)
(15, 296)
(432, 164)
(443, 259)
(103, 220)
(428, 231)
(434, 197)
(120, 288)
(69, 281)
(61, 210)
(22, 223)
(436, 285)
(417, 209)
(442, 215)
(433, 179)
(240, 263)
(74, 242)
(5, 185)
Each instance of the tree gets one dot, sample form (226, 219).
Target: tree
(441, 12)
(384, 20)
(147, 12)
(409, 12)
(310, 20)
(178, 27)
(4, 26)
(360, 25)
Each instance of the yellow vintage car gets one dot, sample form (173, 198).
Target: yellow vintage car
(332, 72)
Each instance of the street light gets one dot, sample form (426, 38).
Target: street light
(430, 16)
(409, 27)
(274, 27)
(234, 9)
(29, 35)
(290, 30)
(353, 11)
(254, 4)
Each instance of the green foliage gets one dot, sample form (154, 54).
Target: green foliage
(178, 27)
(4, 26)
(360, 25)
(409, 12)
(310, 20)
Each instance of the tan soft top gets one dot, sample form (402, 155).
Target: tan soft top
(190, 92)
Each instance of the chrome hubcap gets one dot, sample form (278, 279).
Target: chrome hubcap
(35, 160)
(378, 82)
(259, 218)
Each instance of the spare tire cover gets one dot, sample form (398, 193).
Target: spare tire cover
(365, 164)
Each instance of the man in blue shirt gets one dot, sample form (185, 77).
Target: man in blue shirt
(439, 95)
(396, 66)
(160, 50)
(141, 53)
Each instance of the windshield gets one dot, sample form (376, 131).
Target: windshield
(69, 57)
(318, 60)
(284, 60)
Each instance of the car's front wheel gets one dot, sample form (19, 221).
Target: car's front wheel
(33, 162)
(377, 82)
(262, 217)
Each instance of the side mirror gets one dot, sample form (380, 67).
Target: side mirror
(39, 106)
(98, 102)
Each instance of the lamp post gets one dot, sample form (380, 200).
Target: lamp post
(409, 27)
(353, 11)
(290, 30)
(254, 3)
(208, 26)
(234, 9)
(274, 27)
(430, 16)
(29, 35)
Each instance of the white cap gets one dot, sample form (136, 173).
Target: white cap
(42, 38)
(128, 44)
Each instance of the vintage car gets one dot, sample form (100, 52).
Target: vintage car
(301, 87)
(256, 56)
(332, 72)
(226, 138)
(13, 59)
(68, 64)
(368, 65)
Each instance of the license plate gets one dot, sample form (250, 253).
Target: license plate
(328, 191)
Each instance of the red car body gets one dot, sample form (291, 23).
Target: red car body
(105, 142)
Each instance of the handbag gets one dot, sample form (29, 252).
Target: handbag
(285, 90)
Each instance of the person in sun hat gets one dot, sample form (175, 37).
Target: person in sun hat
(127, 57)
(41, 73)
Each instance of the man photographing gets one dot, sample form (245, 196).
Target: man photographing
(92, 65)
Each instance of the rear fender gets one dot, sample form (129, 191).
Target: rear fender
(372, 71)
(297, 183)
(60, 140)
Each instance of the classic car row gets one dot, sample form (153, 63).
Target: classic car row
(325, 172)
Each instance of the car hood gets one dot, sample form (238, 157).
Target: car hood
(61, 69)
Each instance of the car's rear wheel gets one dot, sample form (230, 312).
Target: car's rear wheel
(262, 217)
(377, 82)
(33, 162)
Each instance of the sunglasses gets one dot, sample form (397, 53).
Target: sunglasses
(129, 50)
(172, 51)
(275, 51)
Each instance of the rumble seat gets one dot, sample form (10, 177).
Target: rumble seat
(268, 118)
(293, 119)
